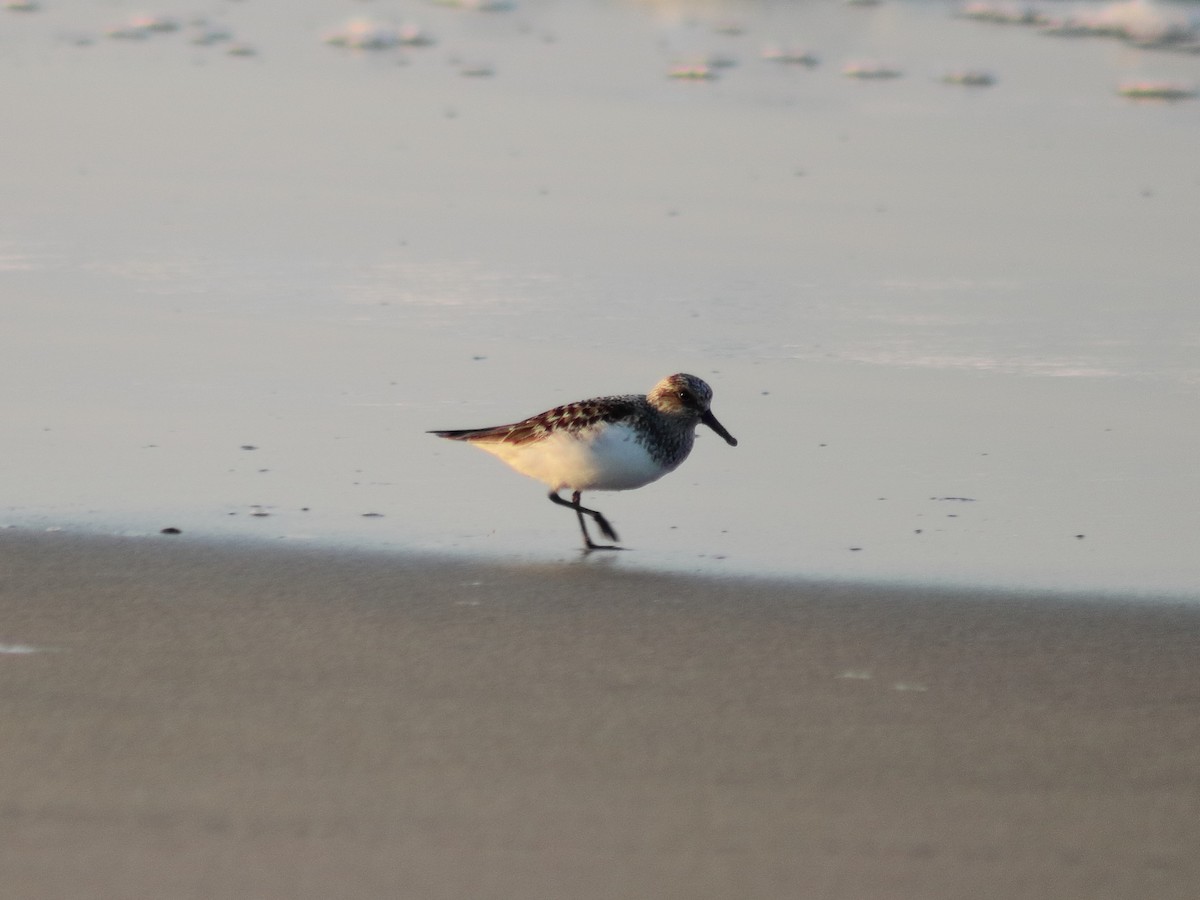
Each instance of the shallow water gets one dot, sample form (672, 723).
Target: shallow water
(902, 291)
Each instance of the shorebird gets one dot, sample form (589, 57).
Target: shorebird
(603, 444)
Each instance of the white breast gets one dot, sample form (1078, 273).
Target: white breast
(603, 458)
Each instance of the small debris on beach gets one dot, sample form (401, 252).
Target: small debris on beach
(171, 529)
(870, 71)
(476, 70)
(791, 56)
(1001, 13)
(720, 61)
(141, 27)
(692, 71)
(205, 34)
(1155, 90)
(479, 5)
(415, 36)
(729, 27)
(969, 78)
(125, 33)
(366, 34)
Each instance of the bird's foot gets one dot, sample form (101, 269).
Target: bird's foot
(589, 547)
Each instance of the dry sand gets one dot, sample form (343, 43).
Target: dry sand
(209, 721)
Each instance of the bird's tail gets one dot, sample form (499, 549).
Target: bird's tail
(464, 434)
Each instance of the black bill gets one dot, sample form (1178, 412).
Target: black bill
(711, 421)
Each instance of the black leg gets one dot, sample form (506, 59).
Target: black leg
(580, 511)
(605, 528)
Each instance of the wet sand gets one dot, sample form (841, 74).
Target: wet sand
(902, 291)
(191, 719)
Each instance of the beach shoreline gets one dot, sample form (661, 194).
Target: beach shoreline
(196, 718)
(249, 260)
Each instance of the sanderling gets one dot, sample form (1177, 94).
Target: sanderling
(603, 444)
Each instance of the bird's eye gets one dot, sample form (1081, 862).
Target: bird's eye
(685, 397)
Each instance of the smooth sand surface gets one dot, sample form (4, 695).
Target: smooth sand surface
(188, 719)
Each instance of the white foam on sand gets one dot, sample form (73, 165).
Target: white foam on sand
(18, 649)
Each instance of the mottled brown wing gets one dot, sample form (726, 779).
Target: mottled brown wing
(570, 417)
